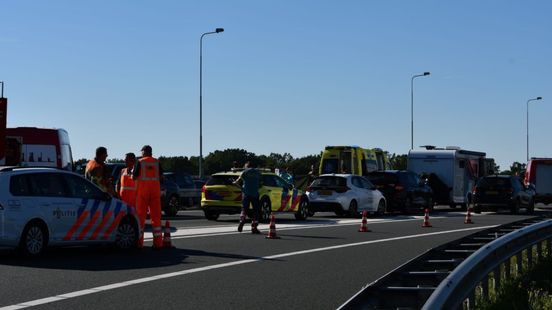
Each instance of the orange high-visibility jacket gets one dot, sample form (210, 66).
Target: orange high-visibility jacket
(128, 188)
(149, 178)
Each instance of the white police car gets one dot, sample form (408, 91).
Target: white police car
(46, 206)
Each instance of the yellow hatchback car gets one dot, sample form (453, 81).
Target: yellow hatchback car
(220, 196)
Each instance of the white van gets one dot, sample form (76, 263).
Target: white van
(451, 172)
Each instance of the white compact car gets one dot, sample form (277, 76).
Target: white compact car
(46, 206)
(344, 193)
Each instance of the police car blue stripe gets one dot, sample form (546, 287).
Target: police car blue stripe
(94, 208)
(117, 208)
(106, 208)
(84, 203)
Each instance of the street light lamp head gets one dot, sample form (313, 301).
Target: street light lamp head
(219, 30)
(427, 73)
(539, 98)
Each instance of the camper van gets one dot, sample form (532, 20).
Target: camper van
(451, 172)
(539, 173)
(353, 160)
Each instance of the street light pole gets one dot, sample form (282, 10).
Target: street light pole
(534, 99)
(412, 108)
(201, 98)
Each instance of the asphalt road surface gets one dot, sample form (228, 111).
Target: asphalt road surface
(316, 264)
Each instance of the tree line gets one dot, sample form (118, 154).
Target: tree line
(224, 160)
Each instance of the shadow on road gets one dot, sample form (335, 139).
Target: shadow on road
(105, 258)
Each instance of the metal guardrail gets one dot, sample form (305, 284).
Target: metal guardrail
(411, 285)
(459, 288)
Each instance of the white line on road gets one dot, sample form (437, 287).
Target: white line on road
(218, 266)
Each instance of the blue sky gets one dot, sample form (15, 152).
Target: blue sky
(285, 76)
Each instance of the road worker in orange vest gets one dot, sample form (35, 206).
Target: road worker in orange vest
(126, 187)
(98, 172)
(147, 173)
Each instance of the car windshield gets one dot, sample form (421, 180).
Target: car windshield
(494, 183)
(329, 181)
(221, 180)
(379, 178)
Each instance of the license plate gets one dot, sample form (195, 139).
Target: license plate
(491, 192)
(324, 193)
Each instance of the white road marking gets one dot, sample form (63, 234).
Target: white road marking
(218, 266)
(219, 230)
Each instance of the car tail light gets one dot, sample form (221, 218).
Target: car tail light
(399, 188)
(342, 189)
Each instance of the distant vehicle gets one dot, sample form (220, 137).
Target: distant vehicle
(344, 194)
(353, 160)
(38, 147)
(45, 206)
(539, 173)
(403, 190)
(451, 172)
(220, 196)
(188, 191)
(503, 191)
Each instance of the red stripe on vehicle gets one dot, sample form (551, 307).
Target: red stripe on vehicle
(284, 204)
(102, 224)
(89, 225)
(75, 226)
(113, 225)
(295, 202)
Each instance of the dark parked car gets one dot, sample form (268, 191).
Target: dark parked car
(496, 191)
(403, 190)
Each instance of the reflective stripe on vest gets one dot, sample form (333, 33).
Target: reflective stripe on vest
(149, 170)
(127, 183)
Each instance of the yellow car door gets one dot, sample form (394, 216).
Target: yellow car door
(272, 190)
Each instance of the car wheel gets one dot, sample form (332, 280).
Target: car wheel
(172, 206)
(303, 211)
(353, 209)
(266, 210)
(211, 216)
(515, 207)
(33, 239)
(127, 235)
(381, 208)
(531, 207)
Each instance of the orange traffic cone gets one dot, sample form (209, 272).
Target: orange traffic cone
(426, 219)
(363, 225)
(468, 219)
(167, 236)
(272, 228)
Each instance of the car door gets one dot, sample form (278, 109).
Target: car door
(95, 214)
(362, 194)
(372, 193)
(274, 192)
(52, 197)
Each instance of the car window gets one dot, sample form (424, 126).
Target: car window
(269, 180)
(366, 184)
(329, 181)
(382, 178)
(47, 185)
(81, 188)
(357, 182)
(221, 180)
(19, 185)
(281, 183)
